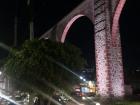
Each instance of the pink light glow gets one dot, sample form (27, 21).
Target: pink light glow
(68, 27)
(117, 83)
(116, 20)
(101, 64)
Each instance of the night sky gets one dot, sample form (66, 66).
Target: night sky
(48, 13)
(130, 34)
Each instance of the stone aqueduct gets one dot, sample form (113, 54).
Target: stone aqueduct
(104, 14)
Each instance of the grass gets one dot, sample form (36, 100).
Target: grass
(126, 101)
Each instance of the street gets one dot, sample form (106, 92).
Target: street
(87, 101)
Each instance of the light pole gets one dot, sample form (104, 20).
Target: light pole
(31, 23)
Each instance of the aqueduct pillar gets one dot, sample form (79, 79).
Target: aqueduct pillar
(109, 69)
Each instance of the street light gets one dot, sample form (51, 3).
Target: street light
(81, 77)
(0, 73)
(98, 103)
(84, 79)
(46, 38)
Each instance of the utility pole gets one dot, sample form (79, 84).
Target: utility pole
(15, 32)
(31, 23)
(15, 23)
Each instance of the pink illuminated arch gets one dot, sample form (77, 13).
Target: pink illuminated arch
(116, 17)
(68, 26)
(117, 77)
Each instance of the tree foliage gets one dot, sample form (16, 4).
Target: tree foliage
(39, 60)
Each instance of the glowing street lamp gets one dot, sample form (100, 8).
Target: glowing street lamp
(81, 77)
(98, 103)
(84, 79)
(0, 73)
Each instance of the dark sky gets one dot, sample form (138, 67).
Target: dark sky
(48, 12)
(83, 39)
(130, 34)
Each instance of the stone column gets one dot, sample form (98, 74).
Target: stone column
(102, 70)
(109, 67)
(116, 72)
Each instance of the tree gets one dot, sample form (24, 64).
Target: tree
(40, 60)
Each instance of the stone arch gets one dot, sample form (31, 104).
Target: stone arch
(69, 24)
(81, 34)
(116, 17)
(117, 75)
(87, 47)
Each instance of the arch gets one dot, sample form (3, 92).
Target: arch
(116, 17)
(68, 29)
(117, 76)
(81, 34)
(69, 24)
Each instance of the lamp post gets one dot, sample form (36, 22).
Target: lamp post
(31, 23)
(82, 78)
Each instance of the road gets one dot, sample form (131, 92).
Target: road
(89, 101)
